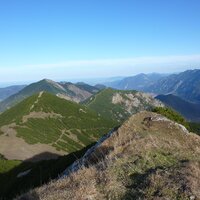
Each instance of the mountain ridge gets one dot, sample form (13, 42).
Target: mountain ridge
(185, 85)
(10, 90)
(120, 104)
(138, 82)
(46, 122)
(68, 91)
(136, 162)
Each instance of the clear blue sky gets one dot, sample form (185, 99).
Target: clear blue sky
(62, 39)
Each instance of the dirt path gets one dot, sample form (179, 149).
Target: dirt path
(39, 96)
(63, 133)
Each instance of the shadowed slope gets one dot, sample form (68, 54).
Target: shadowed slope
(155, 159)
(191, 111)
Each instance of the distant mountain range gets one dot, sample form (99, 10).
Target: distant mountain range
(8, 91)
(185, 85)
(191, 111)
(138, 82)
(75, 92)
(50, 124)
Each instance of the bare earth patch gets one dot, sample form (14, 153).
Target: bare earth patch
(14, 148)
(40, 115)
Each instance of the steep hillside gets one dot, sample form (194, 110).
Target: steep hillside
(100, 86)
(86, 87)
(44, 122)
(67, 91)
(138, 82)
(144, 159)
(185, 85)
(80, 91)
(8, 91)
(191, 111)
(17, 176)
(119, 105)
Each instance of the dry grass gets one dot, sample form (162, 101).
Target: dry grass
(159, 161)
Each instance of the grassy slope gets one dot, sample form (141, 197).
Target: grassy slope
(144, 162)
(75, 120)
(82, 122)
(102, 104)
(41, 172)
(88, 88)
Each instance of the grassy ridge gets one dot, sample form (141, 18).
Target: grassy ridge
(31, 89)
(156, 161)
(50, 87)
(129, 103)
(73, 127)
(102, 103)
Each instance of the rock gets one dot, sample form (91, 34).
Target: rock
(192, 197)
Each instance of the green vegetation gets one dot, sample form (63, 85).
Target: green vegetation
(40, 173)
(34, 88)
(171, 114)
(127, 103)
(7, 165)
(50, 87)
(62, 118)
(137, 162)
(194, 127)
(88, 88)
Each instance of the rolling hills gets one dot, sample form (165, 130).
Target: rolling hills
(75, 92)
(44, 122)
(119, 104)
(191, 111)
(140, 160)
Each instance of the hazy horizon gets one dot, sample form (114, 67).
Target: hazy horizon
(90, 81)
(65, 40)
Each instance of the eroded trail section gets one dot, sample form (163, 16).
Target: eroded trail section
(39, 96)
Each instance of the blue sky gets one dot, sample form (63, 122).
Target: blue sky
(66, 39)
